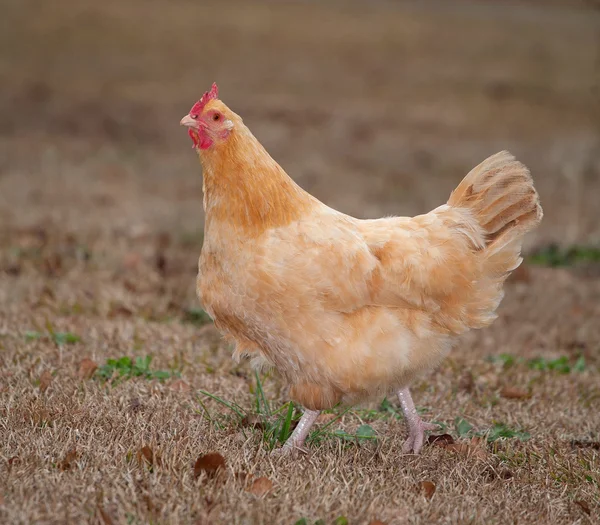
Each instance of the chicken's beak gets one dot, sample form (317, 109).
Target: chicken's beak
(189, 122)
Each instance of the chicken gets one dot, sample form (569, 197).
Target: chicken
(344, 308)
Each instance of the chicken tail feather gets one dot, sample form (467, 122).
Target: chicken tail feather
(499, 193)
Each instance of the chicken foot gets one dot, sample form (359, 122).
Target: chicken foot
(300, 433)
(416, 426)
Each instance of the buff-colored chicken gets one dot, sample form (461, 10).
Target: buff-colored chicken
(345, 308)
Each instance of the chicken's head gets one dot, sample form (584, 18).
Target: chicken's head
(209, 121)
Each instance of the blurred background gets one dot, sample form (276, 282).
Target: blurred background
(376, 108)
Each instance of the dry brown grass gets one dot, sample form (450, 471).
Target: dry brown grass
(376, 111)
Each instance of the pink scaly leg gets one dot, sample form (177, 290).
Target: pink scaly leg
(300, 433)
(416, 426)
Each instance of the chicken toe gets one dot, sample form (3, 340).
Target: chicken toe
(416, 426)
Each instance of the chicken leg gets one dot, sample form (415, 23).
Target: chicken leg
(300, 433)
(416, 426)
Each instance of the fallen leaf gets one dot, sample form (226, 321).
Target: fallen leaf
(474, 448)
(119, 310)
(13, 269)
(15, 460)
(105, 516)
(52, 264)
(179, 385)
(260, 486)
(1, 499)
(130, 286)
(585, 444)
(428, 488)
(45, 380)
(441, 440)
(254, 421)
(132, 260)
(149, 503)
(467, 382)
(146, 455)
(68, 460)
(510, 392)
(161, 263)
(479, 448)
(584, 506)
(377, 522)
(492, 474)
(209, 464)
(87, 368)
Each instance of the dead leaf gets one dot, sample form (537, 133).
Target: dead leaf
(119, 310)
(377, 522)
(161, 263)
(585, 444)
(150, 505)
(584, 506)
(474, 448)
(510, 392)
(145, 455)
(13, 269)
(260, 486)
(441, 440)
(209, 464)
(492, 474)
(105, 516)
(130, 286)
(479, 448)
(163, 241)
(179, 385)
(1, 499)
(253, 421)
(52, 264)
(467, 382)
(132, 260)
(45, 380)
(69, 459)
(87, 368)
(428, 488)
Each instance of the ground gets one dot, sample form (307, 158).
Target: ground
(376, 109)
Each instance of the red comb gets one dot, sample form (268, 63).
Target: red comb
(213, 94)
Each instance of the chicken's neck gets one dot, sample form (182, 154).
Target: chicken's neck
(245, 188)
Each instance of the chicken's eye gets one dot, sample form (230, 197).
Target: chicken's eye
(194, 116)
(216, 116)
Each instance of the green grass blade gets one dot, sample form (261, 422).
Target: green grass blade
(287, 424)
(261, 394)
(231, 406)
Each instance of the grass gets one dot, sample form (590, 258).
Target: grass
(556, 256)
(563, 364)
(128, 368)
(275, 425)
